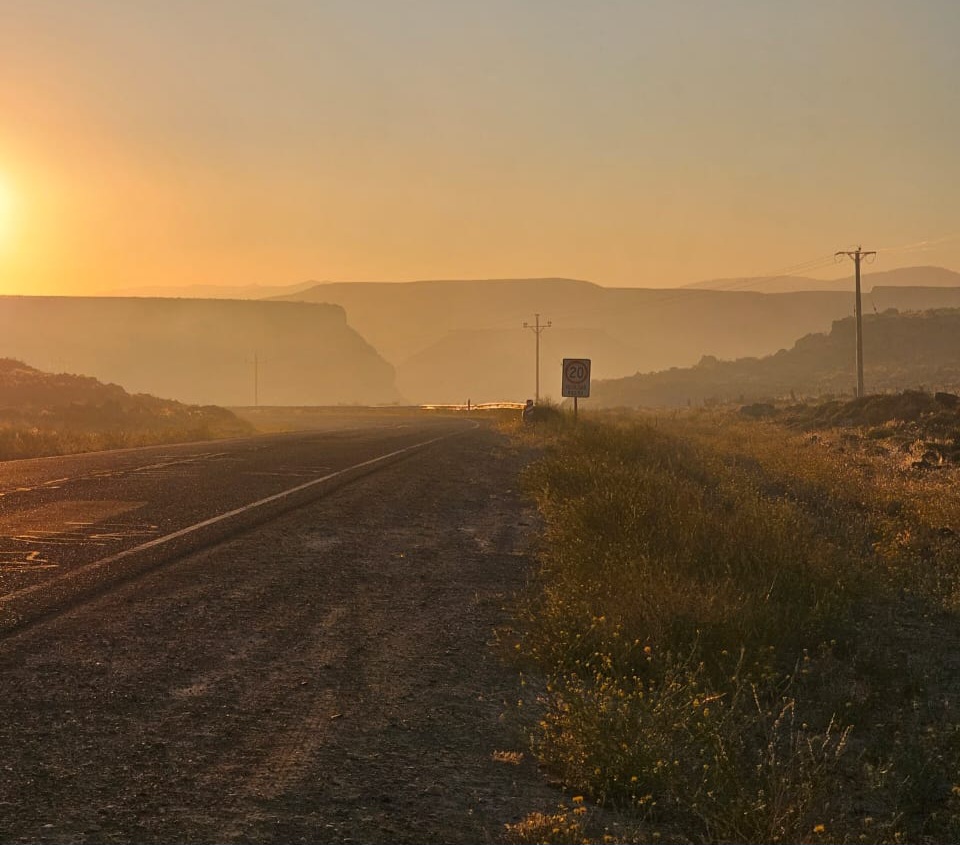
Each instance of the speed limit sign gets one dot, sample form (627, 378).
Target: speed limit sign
(576, 377)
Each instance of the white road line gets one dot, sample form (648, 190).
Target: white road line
(80, 571)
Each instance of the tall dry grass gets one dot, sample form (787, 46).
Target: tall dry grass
(743, 636)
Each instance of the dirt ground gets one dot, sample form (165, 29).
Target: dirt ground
(327, 677)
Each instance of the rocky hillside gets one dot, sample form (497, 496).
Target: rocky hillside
(201, 351)
(47, 414)
(916, 349)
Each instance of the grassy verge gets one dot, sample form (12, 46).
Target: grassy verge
(34, 442)
(740, 635)
(96, 429)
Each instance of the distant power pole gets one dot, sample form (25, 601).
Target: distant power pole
(857, 254)
(256, 380)
(538, 329)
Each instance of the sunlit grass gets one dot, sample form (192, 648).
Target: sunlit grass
(745, 634)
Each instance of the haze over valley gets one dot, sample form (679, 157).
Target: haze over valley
(454, 340)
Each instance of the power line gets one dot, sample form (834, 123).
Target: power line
(538, 329)
(750, 282)
(920, 246)
(858, 254)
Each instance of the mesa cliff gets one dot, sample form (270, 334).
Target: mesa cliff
(201, 351)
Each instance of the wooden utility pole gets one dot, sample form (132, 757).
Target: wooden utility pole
(857, 254)
(538, 329)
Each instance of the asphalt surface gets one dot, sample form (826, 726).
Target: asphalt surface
(59, 516)
(336, 674)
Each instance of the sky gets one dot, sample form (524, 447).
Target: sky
(648, 143)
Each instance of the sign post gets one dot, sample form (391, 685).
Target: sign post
(576, 380)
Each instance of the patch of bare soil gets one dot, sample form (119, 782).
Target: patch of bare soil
(328, 677)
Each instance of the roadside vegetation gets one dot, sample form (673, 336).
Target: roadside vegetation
(743, 631)
(44, 414)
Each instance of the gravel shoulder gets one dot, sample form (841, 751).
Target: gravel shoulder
(327, 677)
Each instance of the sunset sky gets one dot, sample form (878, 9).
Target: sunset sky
(628, 142)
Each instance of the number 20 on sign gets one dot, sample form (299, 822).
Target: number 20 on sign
(576, 377)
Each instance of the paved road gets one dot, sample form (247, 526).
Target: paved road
(326, 677)
(59, 515)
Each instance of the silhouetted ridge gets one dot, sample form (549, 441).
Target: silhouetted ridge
(919, 349)
(50, 414)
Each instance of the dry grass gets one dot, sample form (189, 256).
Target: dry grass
(745, 634)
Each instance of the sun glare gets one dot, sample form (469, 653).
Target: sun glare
(6, 210)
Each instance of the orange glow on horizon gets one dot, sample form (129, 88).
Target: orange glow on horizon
(650, 145)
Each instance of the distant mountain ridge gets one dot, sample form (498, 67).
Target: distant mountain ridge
(451, 340)
(455, 339)
(903, 277)
(901, 351)
(919, 276)
(883, 297)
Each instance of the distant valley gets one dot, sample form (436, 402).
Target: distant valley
(458, 339)
(454, 340)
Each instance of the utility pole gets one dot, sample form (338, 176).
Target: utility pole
(857, 254)
(256, 377)
(538, 329)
